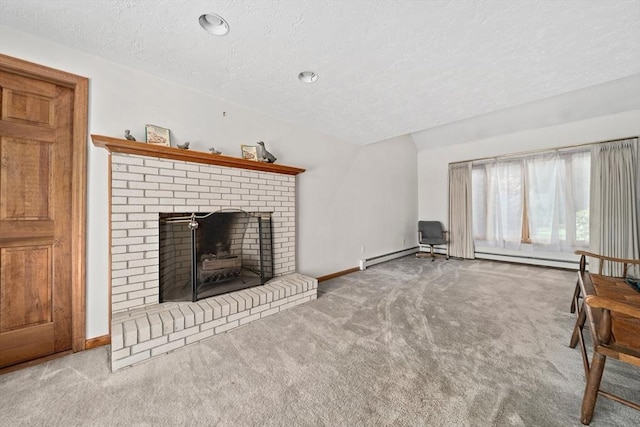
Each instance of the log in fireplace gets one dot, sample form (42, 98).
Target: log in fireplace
(207, 254)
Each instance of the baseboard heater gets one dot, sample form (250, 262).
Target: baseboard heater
(523, 259)
(364, 263)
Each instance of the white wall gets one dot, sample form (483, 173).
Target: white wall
(371, 211)
(350, 197)
(604, 99)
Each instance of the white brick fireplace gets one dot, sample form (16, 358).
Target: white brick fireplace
(142, 186)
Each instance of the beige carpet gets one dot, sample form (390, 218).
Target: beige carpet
(410, 343)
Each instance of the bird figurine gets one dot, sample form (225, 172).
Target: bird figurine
(127, 135)
(263, 154)
(214, 151)
(184, 146)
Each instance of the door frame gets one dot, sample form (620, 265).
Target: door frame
(80, 87)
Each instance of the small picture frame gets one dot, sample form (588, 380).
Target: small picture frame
(157, 135)
(249, 152)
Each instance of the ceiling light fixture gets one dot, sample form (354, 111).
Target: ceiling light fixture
(214, 24)
(307, 77)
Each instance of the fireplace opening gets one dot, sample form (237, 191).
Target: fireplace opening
(213, 253)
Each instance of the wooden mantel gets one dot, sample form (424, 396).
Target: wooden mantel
(117, 145)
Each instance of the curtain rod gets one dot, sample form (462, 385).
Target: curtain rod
(526, 153)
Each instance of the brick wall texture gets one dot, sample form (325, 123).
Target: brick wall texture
(142, 187)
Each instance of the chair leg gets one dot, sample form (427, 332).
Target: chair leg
(433, 257)
(582, 317)
(592, 387)
(576, 295)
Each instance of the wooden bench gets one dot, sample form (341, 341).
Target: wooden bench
(612, 309)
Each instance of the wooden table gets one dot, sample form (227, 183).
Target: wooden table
(625, 328)
(612, 309)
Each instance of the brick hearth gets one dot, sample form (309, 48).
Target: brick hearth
(141, 334)
(141, 188)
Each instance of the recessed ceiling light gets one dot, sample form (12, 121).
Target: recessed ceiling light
(214, 24)
(307, 77)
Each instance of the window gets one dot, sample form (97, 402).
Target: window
(541, 199)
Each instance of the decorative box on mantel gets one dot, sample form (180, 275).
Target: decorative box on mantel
(147, 180)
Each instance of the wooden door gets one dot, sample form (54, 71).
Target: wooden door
(37, 224)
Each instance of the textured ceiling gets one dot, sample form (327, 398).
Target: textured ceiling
(386, 68)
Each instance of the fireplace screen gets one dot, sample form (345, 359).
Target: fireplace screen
(207, 254)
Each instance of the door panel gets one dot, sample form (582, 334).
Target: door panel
(25, 298)
(36, 157)
(27, 107)
(25, 190)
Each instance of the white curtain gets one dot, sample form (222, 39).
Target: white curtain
(460, 211)
(614, 205)
(499, 209)
(558, 200)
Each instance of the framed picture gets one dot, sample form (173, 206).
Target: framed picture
(249, 152)
(157, 135)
